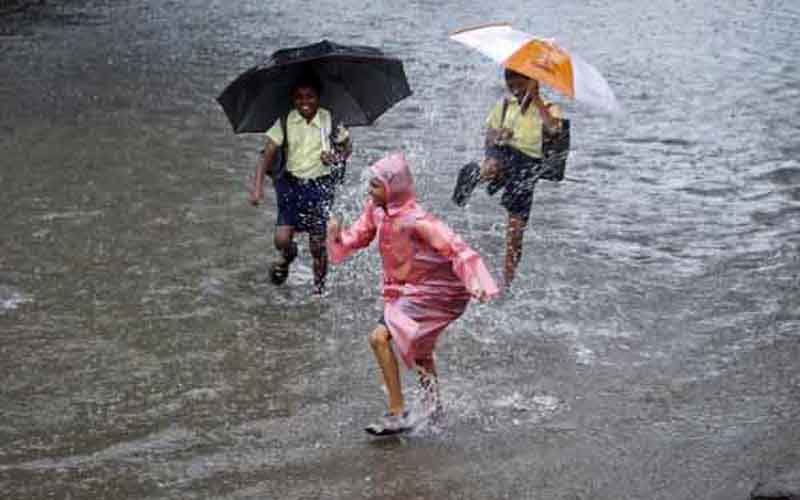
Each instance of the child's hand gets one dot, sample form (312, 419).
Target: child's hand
(477, 291)
(503, 135)
(329, 158)
(256, 197)
(334, 230)
(481, 296)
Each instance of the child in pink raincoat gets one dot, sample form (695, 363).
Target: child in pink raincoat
(429, 276)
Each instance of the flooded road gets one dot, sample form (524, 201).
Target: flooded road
(650, 351)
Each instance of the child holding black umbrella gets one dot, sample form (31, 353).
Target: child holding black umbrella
(285, 97)
(304, 176)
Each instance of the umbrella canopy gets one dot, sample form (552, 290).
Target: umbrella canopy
(359, 83)
(542, 60)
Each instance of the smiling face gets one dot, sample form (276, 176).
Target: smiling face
(377, 191)
(519, 85)
(306, 101)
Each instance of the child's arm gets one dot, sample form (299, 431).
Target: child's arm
(263, 168)
(497, 136)
(344, 243)
(467, 264)
(272, 141)
(342, 143)
(549, 113)
(342, 146)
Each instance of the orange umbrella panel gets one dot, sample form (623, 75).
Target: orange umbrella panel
(545, 62)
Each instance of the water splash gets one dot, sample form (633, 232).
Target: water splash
(11, 300)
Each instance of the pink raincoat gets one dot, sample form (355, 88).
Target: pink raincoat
(429, 272)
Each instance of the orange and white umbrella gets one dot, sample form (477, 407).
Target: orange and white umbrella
(542, 60)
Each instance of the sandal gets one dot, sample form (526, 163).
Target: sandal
(391, 424)
(468, 178)
(279, 270)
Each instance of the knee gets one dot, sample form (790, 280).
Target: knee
(379, 338)
(489, 169)
(282, 241)
(517, 225)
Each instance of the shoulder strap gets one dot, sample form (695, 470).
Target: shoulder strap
(503, 112)
(280, 163)
(284, 129)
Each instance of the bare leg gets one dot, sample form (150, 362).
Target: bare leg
(427, 366)
(429, 380)
(514, 235)
(316, 244)
(380, 341)
(284, 240)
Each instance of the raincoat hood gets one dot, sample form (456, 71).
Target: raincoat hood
(394, 173)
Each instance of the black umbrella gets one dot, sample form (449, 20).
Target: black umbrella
(359, 84)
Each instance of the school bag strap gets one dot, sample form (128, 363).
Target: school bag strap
(285, 144)
(284, 129)
(503, 111)
(279, 162)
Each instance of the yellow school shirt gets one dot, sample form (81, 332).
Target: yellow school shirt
(305, 142)
(527, 128)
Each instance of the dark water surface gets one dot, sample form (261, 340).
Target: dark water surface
(650, 351)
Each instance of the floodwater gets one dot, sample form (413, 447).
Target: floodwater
(650, 349)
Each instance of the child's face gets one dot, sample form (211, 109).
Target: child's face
(519, 86)
(377, 191)
(306, 101)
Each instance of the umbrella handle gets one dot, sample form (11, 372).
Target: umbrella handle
(526, 101)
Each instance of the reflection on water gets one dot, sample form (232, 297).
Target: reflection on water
(650, 347)
(10, 299)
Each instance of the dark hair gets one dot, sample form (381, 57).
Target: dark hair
(511, 74)
(308, 79)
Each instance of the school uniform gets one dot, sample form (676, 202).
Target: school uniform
(520, 157)
(306, 188)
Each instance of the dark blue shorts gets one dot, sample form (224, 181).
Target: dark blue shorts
(518, 176)
(304, 204)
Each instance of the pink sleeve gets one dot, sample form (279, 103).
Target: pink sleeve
(467, 264)
(354, 238)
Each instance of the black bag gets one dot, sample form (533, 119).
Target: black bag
(555, 149)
